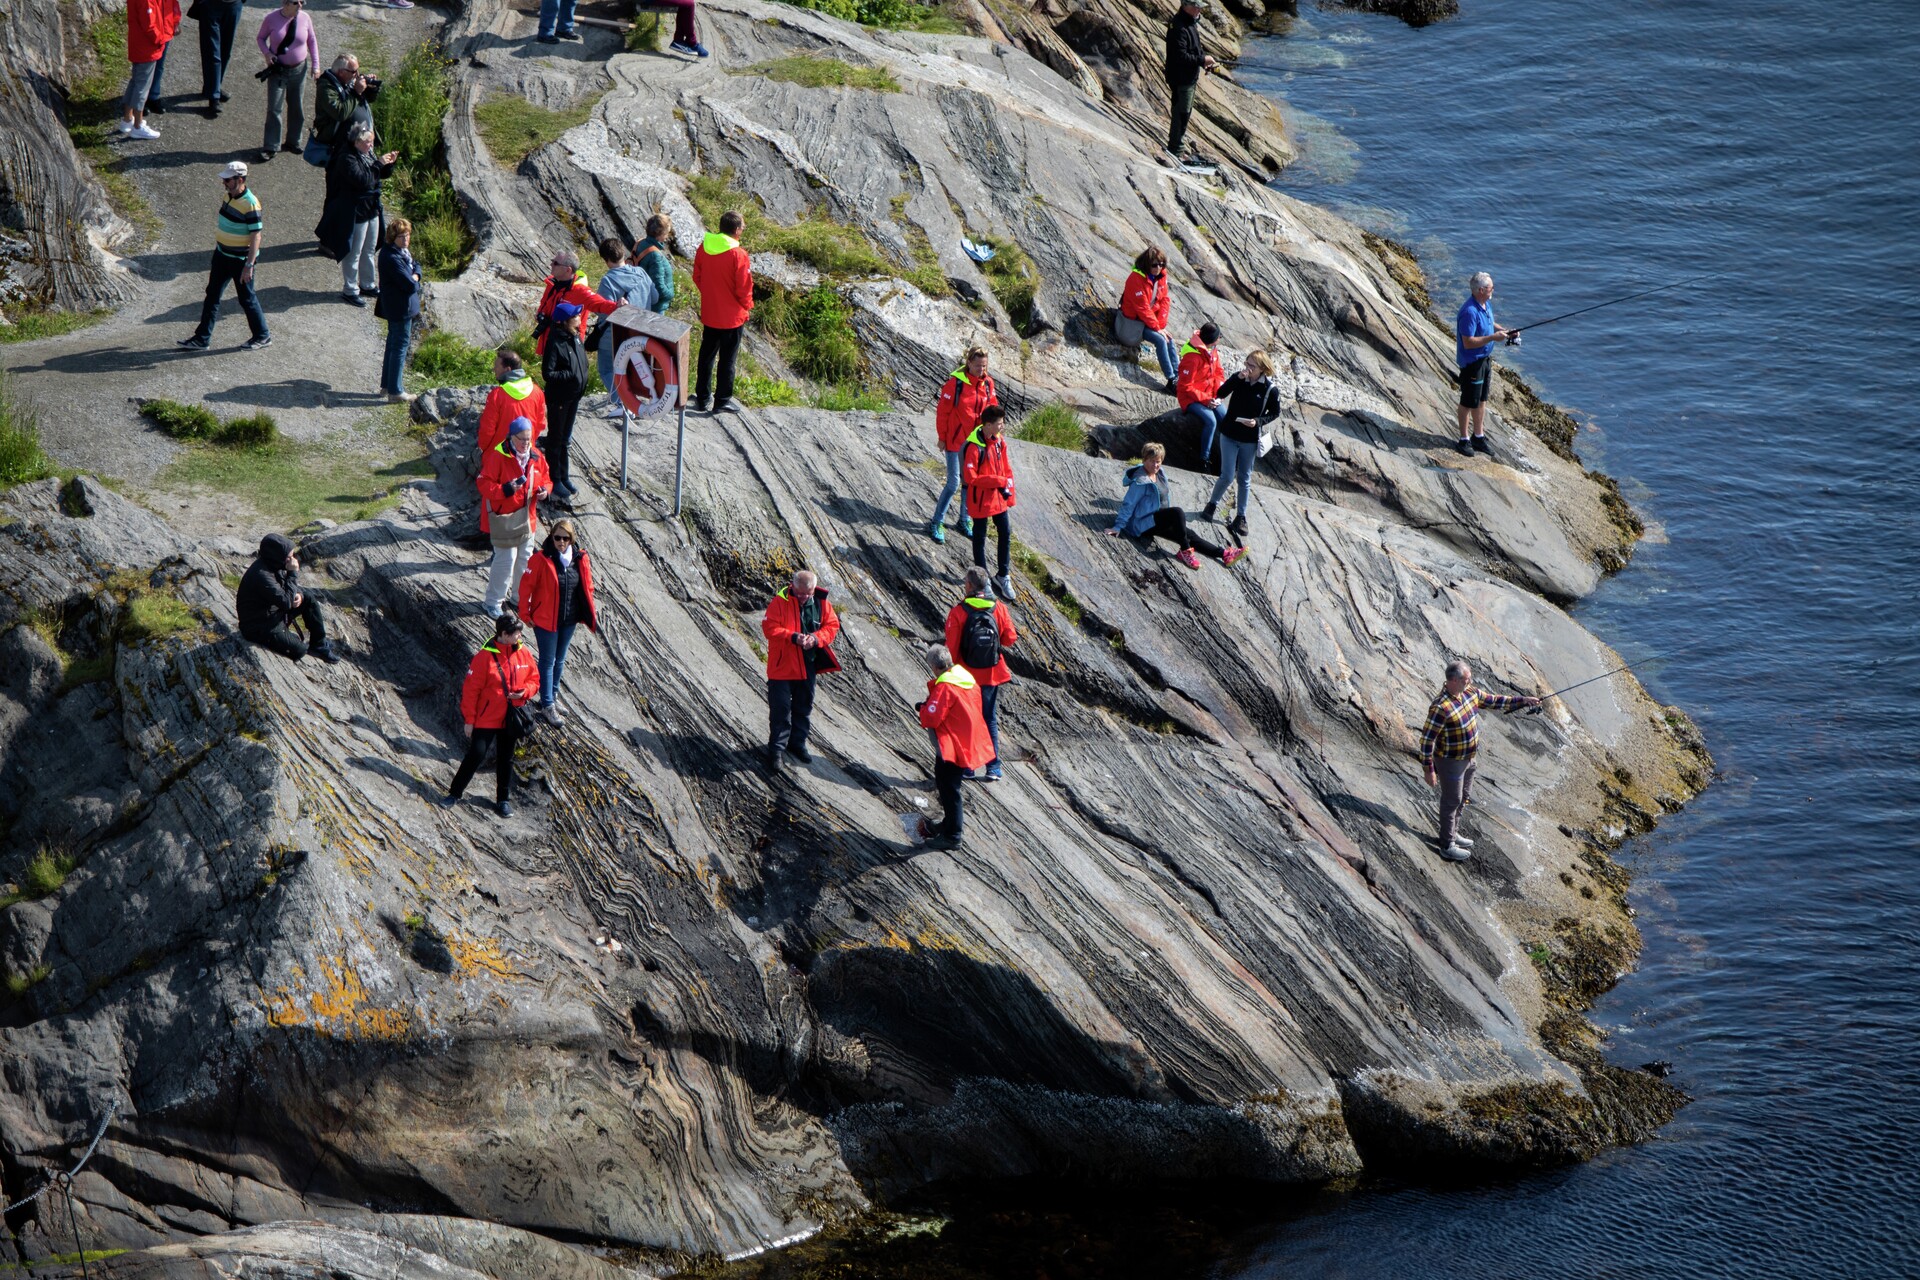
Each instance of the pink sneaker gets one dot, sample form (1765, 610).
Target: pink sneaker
(1231, 554)
(1187, 558)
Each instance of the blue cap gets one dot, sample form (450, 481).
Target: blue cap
(518, 425)
(565, 311)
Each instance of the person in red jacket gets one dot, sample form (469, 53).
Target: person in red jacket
(513, 396)
(963, 399)
(988, 474)
(800, 627)
(1146, 304)
(501, 675)
(566, 284)
(556, 595)
(151, 25)
(979, 629)
(1201, 374)
(724, 276)
(952, 711)
(513, 479)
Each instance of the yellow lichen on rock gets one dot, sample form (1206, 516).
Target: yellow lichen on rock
(338, 1007)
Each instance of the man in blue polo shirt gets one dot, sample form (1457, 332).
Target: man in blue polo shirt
(1473, 348)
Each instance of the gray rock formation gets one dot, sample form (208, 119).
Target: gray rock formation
(1198, 931)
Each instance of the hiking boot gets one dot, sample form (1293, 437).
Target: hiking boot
(938, 532)
(1239, 527)
(940, 842)
(776, 762)
(1482, 445)
(1463, 447)
(1173, 387)
(1230, 554)
(195, 343)
(1003, 587)
(698, 406)
(260, 343)
(732, 405)
(448, 802)
(1209, 512)
(548, 39)
(550, 714)
(504, 808)
(568, 35)
(801, 754)
(1186, 557)
(353, 300)
(1456, 853)
(324, 652)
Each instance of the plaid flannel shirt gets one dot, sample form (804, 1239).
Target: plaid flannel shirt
(1452, 731)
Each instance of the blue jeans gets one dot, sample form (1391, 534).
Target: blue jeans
(143, 84)
(1163, 350)
(216, 44)
(1236, 463)
(552, 649)
(946, 495)
(604, 359)
(990, 709)
(555, 15)
(399, 335)
(224, 270)
(1208, 419)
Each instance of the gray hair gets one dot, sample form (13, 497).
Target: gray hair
(346, 61)
(567, 256)
(1481, 280)
(976, 581)
(804, 580)
(938, 658)
(1458, 671)
(359, 131)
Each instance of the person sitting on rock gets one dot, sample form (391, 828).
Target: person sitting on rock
(800, 628)
(1147, 511)
(1252, 402)
(501, 676)
(966, 395)
(269, 601)
(979, 631)
(513, 396)
(987, 472)
(513, 480)
(567, 284)
(1146, 304)
(1198, 386)
(556, 595)
(952, 711)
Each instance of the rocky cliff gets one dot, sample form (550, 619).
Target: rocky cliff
(680, 1004)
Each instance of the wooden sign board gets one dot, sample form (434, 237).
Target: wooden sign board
(651, 358)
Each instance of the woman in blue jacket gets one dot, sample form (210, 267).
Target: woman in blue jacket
(1147, 511)
(398, 303)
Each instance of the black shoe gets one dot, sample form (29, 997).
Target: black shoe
(266, 155)
(775, 760)
(1173, 387)
(504, 808)
(195, 343)
(260, 343)
(353, 300)
(1463, 448)
(548, 39)
(942, 842)
(1209, 511)
(155, 107)
(801, 754)
(1239, 527)
(290, 146)
(212, 111)
(1482, 445)
(698, 406)
(324, 652)
(568, 35)
(224, 96)
(448, 802)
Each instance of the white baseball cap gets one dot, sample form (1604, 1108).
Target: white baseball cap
(234, 169)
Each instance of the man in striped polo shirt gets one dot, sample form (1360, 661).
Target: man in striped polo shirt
(236, 247)
(1448, 743)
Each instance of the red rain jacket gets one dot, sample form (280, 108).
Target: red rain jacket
(724, 277)
(957, 621)
(514, 398)
(1147, 300)
(986, 470)
(961, 402)
(952, 711)
(580, 294)
(484, 696)
(785, 659)
(540, 591)
(500, 466)
(1200, 373)
(150, 25)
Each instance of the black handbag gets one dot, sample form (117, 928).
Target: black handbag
(286, 43)
(596, 333)
(197, 10)
(518, 713)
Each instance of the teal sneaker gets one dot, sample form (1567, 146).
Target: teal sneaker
(938, 532)
(966, 526)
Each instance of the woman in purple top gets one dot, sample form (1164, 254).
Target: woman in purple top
(288, 44)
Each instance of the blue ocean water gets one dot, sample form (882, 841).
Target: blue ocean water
(1765, 422)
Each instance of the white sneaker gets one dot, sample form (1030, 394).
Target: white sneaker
(1463, 842)
(1456, 853)
(145, 133)
(123, 126)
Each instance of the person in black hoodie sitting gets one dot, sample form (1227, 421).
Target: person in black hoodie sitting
(563, 368)
(1252, 402)
(270, 601)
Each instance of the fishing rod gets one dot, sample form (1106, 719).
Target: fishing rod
(1614, 671)
(1513, 334)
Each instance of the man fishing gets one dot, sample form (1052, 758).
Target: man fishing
(1475, 333)
(1450, 740)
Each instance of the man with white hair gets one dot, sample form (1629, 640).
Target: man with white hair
(800, 628)
(1448, 743)
(1473, 348)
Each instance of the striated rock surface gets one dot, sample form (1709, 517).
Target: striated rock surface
(1198, 931)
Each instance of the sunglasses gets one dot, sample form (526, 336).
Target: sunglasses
(561, 537)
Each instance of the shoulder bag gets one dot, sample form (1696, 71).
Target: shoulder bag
(517, 713)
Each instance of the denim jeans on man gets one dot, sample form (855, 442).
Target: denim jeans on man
(990, 712)
(227, 267)
(1209, 419)
(1236, 463)
(556, 17)
(946, 495)
(399, 335)
(552, 647)
(286, 87)
(219, 20)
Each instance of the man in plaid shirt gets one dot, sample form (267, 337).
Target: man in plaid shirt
(1448, 743)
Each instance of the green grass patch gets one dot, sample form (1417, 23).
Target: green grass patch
(1055, 425)
(895, 15)
(22, 460)
(93, 108)
(814, 332)
(153, 615)
(35, 323)
(289, 482)
(196, 422)
(18, 984)
(1034, 566)
(44, 873)
(816, 240)
(514, 128)
(1014, 279)
(444, 359)
(847, 397)
(408, 114)
(815, 71)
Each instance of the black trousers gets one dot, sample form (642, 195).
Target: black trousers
(946, 780)
(561, 411)
(789, 713)
(1005, 528)
(1182, 113)
(1171, 523)
(502, 740)
(722, 345)
(225, 269)
(287, 642)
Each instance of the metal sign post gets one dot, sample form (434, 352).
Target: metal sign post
(679, 458)
(626, 437)
(650, 364)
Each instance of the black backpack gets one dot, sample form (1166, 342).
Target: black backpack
(564, 366)
(980, 639)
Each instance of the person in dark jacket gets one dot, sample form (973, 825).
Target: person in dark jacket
(219, 20)
(398, 304)
(501, 676)
(1252, 402)
(653, 256)
(270, 601)
(800, 628)
(1147, 511)
(342, 97)
(556, 595)
(350, 221)
(563, 367)
(1186, 60)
